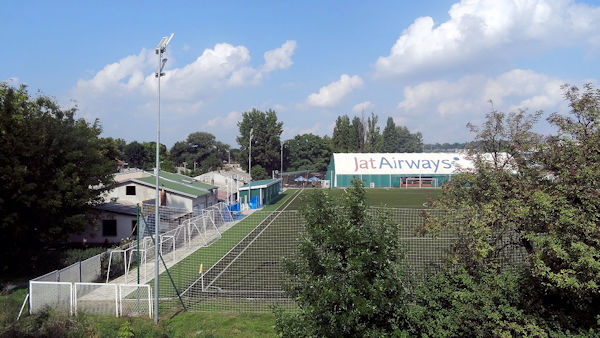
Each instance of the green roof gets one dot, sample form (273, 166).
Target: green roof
(185, 180)
(193, 188)
(262, 182)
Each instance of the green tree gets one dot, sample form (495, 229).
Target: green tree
(398, 139)
(535, 200)
(118, 144)
(357, 135)
(307, 152)
(259, 173)
(200, 152)
(135, 155)
(391, 139)
(342, 135)
(347, 278)
(53, 167)
(143, 156)
(374, 140)
(265, 140)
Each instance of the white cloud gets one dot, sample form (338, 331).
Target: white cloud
(223, 66)
(470, 95)
(315, 129)
(334, 92)
(441, 109)
(119, 77)
(279, 108)
(227, 122)
(280, 58)
(488, 29)
(13, 81)
(362, 107)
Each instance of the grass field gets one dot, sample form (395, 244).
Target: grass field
(393, 198)
(245, 273)
(186, 272)
(247, 280)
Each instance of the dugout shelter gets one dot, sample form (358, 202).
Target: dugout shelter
(265, 192)
(400, 170)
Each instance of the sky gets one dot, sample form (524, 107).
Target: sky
(432, 66)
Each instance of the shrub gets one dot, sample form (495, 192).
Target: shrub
(346, 278)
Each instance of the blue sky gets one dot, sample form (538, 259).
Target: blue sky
(431, 65)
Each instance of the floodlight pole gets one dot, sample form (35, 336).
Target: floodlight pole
(250, 167)
(281, 168)
(159, 50)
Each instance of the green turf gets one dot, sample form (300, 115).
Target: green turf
(258, 270)
(393, 198)
(185, 272)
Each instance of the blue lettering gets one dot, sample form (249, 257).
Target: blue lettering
(413, 163)
(447, 164)
(437, 164)
(383, 162)
(426, 164)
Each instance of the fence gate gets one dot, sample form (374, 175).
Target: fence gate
(96, 298)
(57, 295)
(135, 300)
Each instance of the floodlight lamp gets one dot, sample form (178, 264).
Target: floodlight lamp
(159, 47)
(169, 39)
(162, 45)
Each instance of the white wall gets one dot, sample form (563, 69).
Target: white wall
(144, 193)
(93, 234)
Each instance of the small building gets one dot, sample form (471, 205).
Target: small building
(177, 191)
(228, 180)
(407, 170)
(266, 192)
(114, 222)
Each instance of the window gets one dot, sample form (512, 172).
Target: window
(109, 228)
(133, 227)
(130, 190)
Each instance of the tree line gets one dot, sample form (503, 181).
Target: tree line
(55, 166)
(313, 152)
(201, 152)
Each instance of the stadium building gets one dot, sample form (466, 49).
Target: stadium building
(401, 170)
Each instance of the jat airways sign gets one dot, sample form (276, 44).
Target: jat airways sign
(401, 163)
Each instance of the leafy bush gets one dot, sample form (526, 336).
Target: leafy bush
(347, 278)
(72, 256)
(454, 302)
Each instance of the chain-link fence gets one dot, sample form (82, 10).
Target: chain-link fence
(242, 270)
(96, 298)
(217, 265)
(89, 270)
(92, 298)
(56, 295)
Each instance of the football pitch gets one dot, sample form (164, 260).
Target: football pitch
(243, 268)
(392, 198)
